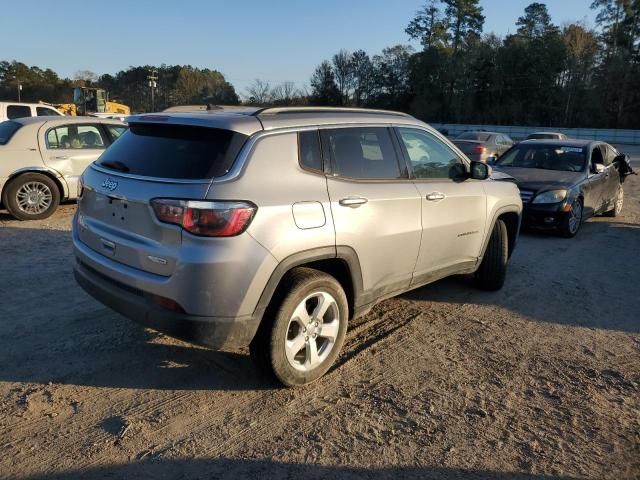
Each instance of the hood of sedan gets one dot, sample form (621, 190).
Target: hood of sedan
(536, 179)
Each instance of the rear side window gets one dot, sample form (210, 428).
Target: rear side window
(173, 151)
(75, 137)
(18, 111)
(44, 111)
(310, 153)
(363, 153)
(7, 129)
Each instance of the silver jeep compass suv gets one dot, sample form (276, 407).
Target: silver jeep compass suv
(274, 227)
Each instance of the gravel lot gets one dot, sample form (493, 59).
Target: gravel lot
(540, 380)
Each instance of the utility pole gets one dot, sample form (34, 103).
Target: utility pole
(19, 90)
(153, 79)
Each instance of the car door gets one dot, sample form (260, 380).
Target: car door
(70, 148)
(376, 208)
(610, 190)
(594, 191)
(453, 212)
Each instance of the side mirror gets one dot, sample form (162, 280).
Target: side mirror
(479, 171)
(598, 168)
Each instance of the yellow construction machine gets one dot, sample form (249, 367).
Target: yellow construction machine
(91, 101)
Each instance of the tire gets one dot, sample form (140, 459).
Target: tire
(619, 203)
(573, 220)
(32, 196)
(493, 270)
(282, 348)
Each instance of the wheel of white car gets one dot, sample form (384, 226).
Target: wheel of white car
(31, 196)
(301, 337)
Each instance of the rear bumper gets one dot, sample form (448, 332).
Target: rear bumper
(214, 332)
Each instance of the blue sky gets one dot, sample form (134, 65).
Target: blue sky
(275, 40)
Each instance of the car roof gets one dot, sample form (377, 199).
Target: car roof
(568, 142)
(546, 132)
(249, 120)
(482, 131)
(64, 119)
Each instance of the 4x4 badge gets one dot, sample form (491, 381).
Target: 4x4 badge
(110, 185)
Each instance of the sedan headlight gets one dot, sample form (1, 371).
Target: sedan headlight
(552, 196)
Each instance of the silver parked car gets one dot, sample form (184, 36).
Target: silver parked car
(546, 136)
(41, 159)
(481, 146)
(273, 228)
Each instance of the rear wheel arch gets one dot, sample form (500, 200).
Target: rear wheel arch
(64, 194)
(342, 263)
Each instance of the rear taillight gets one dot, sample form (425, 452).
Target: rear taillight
(209, 219)
(479, 149)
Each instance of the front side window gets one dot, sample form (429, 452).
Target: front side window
(75, 137)
(430, 157)
(18, 111)
(310, 153)
(363, 153)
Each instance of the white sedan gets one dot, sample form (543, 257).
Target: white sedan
(42, 158)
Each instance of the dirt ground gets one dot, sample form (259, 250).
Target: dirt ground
(540, 380)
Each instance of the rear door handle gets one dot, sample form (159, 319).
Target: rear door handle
(435, 196)
(353, 202)
(60, 157)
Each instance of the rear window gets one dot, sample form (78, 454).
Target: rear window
(478, 136)
(7, 129)
(173, 151)
(542, 136)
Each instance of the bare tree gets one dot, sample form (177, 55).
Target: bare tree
(259, 92)
(284, 93)
(343, 72)
(86, 76)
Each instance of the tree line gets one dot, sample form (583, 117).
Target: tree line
(543, 74)
(176, 85)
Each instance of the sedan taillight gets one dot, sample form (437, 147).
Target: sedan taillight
(208, 219)
(479, 149)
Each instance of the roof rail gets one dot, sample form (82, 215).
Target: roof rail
(346, 110)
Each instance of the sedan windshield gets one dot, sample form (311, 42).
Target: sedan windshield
(478, 136)
(547, 157)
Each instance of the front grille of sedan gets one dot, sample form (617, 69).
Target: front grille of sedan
(526, 196)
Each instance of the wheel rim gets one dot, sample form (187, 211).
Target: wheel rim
(575, 218)
(312, 331)
(34, 198)
(619, 200)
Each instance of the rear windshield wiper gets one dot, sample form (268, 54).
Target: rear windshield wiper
(121, 167)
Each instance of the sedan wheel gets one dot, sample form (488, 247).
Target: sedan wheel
(32, 196)
(617, 206)
(572, 221)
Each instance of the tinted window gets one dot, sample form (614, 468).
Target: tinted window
(310, 153)
(547, 157)
(430, 157)
(173, 151)
(7, 129)
(479, 136)
(542, 136)
(116, 130)
(363, 153)
(44, 111)
(75, 137)
(18, 111)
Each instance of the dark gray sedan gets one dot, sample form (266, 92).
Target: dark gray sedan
(564, 182)
(480, 146)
